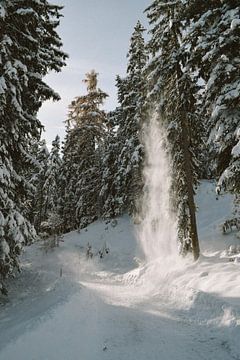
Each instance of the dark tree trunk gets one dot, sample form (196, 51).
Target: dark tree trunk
(190, 191)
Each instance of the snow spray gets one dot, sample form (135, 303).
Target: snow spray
(157, 233)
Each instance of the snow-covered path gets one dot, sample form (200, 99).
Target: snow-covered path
(101, 322)
(118, 308)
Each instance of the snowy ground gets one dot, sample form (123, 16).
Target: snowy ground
(65, 306)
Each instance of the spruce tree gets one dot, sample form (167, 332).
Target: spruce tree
(172, 89)
(52, 174)
(39, 197)
(213, 41)
(30, 48)
(130, 116)
(108, 188)
(82, 157)
(46, 197)
(111, 191)
(68, 179)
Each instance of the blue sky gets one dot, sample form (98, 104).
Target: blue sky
(96, 35)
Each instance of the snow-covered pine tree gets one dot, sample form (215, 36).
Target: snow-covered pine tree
(29, 48)
(82, 157)
(69, 176)
(37, 211)
(172, 89)
(130, 114)
(51, 188)
(213, 41)
(108, 190)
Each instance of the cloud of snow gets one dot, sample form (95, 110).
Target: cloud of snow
(158, 235)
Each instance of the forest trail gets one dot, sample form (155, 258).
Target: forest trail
(104, 319)
(65, 306)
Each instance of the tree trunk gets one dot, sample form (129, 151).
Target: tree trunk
(187, 158)
(190, 192)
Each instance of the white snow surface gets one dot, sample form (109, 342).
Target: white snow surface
(64, 306)
(236, 150)
(235, 24)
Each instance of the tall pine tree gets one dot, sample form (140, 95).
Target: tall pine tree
(128, 182)
(30, 48)
(213, 41)
(172, 89)
(82, 157)
(52, 179)
(37, 211)
(47, 181)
